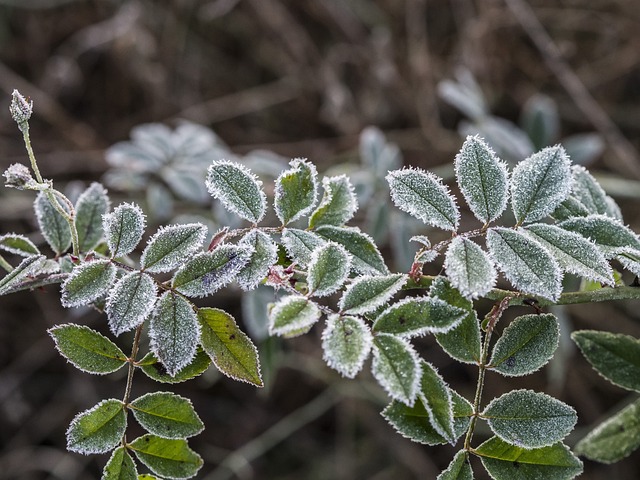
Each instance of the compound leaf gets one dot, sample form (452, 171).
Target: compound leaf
(458, 469)
(92, 204)
(120, 466)
(293, 316)
(52, 224)
(609, 234)
(87, 282)
(18, 244)
(130, 301)
(397, 368)
(166, 415)
(328, 269)
(264, 255)
(152, 368)
(338, 205)
(167, 457)
(300, 244)
(123, 229)
(346, 343)
(469, 268)
(171, 245)
(296, 191)
(366, 257)
(99, 429)
(367, 293)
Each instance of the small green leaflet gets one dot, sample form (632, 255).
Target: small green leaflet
(338, 205)
(88, 282)
(167, 457)
(615, 356)
(123, 229)
(238, 189)
(120, 466)
(329, 267)
(130, 301)
(436, 397)
(571, 207)
(293, 316)
(166, 415)
(152, 368)
(87, 349)
(424, 196)
(609, 234)
(300, 244)
(264, 255)
(458, 469)
(171, 245)
(346, 343)
(508, 462)
(367, 293)
(53, 226)
(99, 429)
(20, 275)
(482, 178)
(529, 419)
(589, 193)
(18, 244)
(397, 368)
(615, 438)
(92, 204)
(366, 257)
(296, 191)
(230, 348)
(469, 268)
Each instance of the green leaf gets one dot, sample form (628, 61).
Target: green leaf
(571, 207)
(293, 316)
(613, 355)
(166, 457)
(92, 204)
(529, 419)
(174, 332)
(540, 183)
(120, 466)
(366, 256)
(346, 343)
(87, 350)
(367, 293)
(238, 189)
(22, 274)
(482, 178)
(424, 196)
(615, 438)
(328, 269)
(413, 316)
(338, 205)
(152, 367)
(123, 229)
(397, 368)
(130, 301)
(264, 255)
(526, 345)
(18, 244)
(508, 462)
(469, 268)
(99, 429)
(171, 245)
(296, 191)
(436, 397)
(588, 192)
(166, 415)
(609, 234)
(229, 347)
(458, 469)
(53, 226)
(88, 282)
(525, 263)
(300, 244)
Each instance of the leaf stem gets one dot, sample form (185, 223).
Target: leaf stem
(132, 366)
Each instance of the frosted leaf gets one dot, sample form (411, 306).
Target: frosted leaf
(328, 269)
(130, 302)
(469, 268)
(368, 293)
(264, 255)
(525, 263)
(629, 258)
(482, 178)
(99, 429)
(339, 203)
(92, 204)
(300, 244)
(166, 457)
(571, 207)
(422, 240)
(18, 245)
(397, 367)
(574, 253)
(427, 256)
(458, 469)
(174, 331)
(608, 234)
(208, 272)
(424, 196)
(366, 258)
(346, 343)
(20, 275)
(123, 228)
(167, 415)
(53, 226)
(87, 282)
(588, 191)
(540, 183)
(296, 191)
(171, 245)
(293, 316)
(238, 189)
(613, 210)
(120, 466)
(436, 397)
(152, 368)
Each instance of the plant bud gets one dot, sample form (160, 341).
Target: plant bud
(21, 110)
(18, 176)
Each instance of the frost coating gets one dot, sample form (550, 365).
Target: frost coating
(328, 269)
(18, 245)
(299, 244)
(92, 204)
(171, 245)
(588, 191)
(123, 228)
(469, 268)
(610, 235)
(424, 196)
(130, 302)
(166, 415)
(120, 466)
(339, 202)
(296, 191)
(397, 367)
(458, 469)
(436, 397)
(97, 430)
(53, 226)
(366, 257)
(482, 178)
(367, 293)
(264, 255)
(238, 189)
(87, 282)
(293, 316)
(540, 183)
(346, 343)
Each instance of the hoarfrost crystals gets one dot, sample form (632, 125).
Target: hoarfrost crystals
(346, 343)
(469, 268)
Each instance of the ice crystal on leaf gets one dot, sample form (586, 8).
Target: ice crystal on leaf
(589, 193)
(367, 293)
(92, 204)
(120, 466)
(123, 228)
(609, 234)
(264, 255)
(52, 224)
(166, 457)
(293, 316)
(167, 415)
(18, 245)
(469, 268)
(338, 205)
(171, 245)
(366, 257)
(458, 469)
(87, 282)
(346, 343)
(328, 269)
(300, 244)
(296, 191)
(130, 302)
(99, 429)
(397, 367)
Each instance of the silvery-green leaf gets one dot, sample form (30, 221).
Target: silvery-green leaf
(169, 458)
(366, 257)
(300, 244)
(540, 183)
(615, 438)
(99, 429)
(629, 257)
(469, 268)
(609, 234)
(482, 178)
(166, 415)
(436, 397)
(613, 210)
(397, 367)
(207, 272)
(123, 228)
(238, 189)
(185, 181)
(574, 253)
(338, 205)
(171, 245)
(120, 466)
(368, 293)
(458, 469)
(264, 255)
(526, 345)
(53, 226)
(588, 191)
(424, 196)
(328, 269)
(18, 244)
(28, 267)
(130, 301)
(92, 204)
(174, 331)
(571, 207)
(152, 368)
(414, 316)
(426, 256)
(529, 419)
(293, 316)
(379, 155)
(346, 343)
(296, 191)
(88, 282)
(422, 240)
(525, 263)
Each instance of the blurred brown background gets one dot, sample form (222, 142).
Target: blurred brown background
(300, 78)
